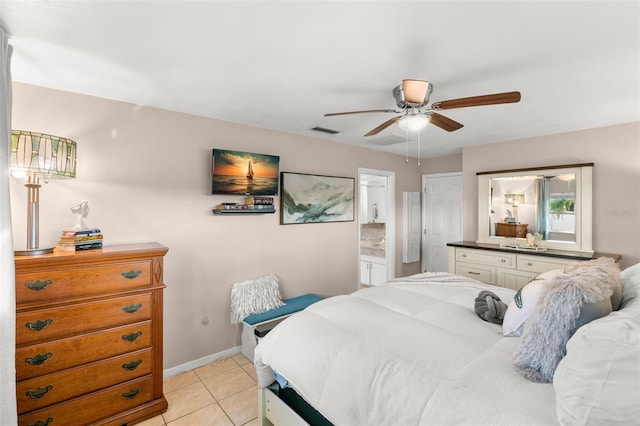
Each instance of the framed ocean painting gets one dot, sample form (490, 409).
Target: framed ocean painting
(306, 198)
(244, 173)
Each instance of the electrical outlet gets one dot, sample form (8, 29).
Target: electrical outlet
(205, 321)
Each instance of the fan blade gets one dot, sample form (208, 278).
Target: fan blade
(415, 91)
(498, 98)
(383, 126)
(444, 123)
(331, 114)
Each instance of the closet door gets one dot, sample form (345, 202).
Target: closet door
(442, 218)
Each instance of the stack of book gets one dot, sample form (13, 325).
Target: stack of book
(251, 204)
(76, 239)
(232, 206)
(259, 203)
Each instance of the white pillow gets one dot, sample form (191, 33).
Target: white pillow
(598, 380)
(524, 302)
(254, 297)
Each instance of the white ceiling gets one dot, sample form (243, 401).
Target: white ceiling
(282, 65)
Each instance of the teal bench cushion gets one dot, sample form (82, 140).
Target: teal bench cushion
(290, 306)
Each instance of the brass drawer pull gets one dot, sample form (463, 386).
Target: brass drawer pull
(132, 393)
(132, 365)
(474, 273)
(132, 308)
(38, 325)
(38, 285)
(131, 274)
(132, 336)
(40, 392)
(38, 359)
(42, 422)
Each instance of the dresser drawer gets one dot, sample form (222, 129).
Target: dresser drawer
(486, 274)
(49, 357)
(51, 284)
(92, 407)
(540, 264)
(53, 388)
(484, 257)
(47, 324)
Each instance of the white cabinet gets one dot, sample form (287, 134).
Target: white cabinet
(502, 268)
(513, 279)
(373, 270)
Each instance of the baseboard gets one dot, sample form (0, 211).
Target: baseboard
(169, 372)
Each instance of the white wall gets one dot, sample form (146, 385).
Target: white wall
(146, 173)
(615, 152)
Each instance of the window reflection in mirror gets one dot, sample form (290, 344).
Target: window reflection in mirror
(554, 201)
(538, 203)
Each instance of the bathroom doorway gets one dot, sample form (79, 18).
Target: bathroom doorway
(376, 226)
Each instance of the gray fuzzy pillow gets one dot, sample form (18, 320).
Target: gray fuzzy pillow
(569, 301)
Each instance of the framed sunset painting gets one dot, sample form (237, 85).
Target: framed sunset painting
(244, 173)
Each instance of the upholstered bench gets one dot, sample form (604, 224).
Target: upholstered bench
(258, 325)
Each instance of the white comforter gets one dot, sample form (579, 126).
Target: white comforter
(410, 352)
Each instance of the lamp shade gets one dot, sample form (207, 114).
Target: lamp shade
(43, 155)
(514, 199)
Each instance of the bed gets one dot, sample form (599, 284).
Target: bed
(413, 351)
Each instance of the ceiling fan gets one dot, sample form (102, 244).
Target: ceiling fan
(412, 97)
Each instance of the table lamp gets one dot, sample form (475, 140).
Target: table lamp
(35, 156)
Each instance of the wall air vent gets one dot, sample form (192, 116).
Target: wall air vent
(325, 130)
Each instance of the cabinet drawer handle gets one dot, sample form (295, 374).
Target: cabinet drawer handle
(529, 264)
(132, 393)
(132, 365)
(38, 325)
(38, 285)
(464, 255)
(503, 260)
(38, 359)
(131, 274)
(132, 308)
(40, 392)
(132, 336)
(474, 273)
(42, 422)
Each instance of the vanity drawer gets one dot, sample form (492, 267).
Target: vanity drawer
(540, 264)
(503, 260)
(486, 274)
(94, 406)
(53, 388)
(45, 358)
(47, 324)
(44, 285)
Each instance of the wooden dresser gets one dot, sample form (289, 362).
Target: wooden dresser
(89, 336)
(518, 230)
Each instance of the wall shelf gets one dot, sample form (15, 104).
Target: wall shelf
(244, 211)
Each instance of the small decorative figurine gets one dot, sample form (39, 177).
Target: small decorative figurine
(81, 210)
(534, 240)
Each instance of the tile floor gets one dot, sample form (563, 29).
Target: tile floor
(222, 393)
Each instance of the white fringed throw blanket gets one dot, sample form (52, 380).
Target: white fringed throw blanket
(254, 297)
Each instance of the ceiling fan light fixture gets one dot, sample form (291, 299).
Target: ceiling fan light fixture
(416, 91)
(413, 123)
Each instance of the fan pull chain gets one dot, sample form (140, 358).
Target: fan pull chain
(419, 147)
(406, 147)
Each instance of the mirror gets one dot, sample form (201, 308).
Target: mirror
(554, 202)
